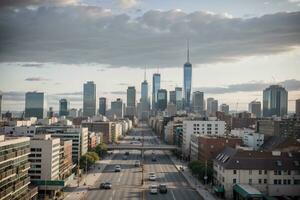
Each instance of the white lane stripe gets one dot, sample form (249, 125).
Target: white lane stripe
(173, 195)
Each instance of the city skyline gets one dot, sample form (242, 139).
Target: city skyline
(235, 73)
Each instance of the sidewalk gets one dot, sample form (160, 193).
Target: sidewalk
(194, 182)
(74, 192)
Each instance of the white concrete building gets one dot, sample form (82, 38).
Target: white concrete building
(200, 127)
(253, 140)
(28, 131)
(272, 173)
(240, 132)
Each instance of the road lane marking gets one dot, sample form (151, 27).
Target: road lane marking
(173, 195)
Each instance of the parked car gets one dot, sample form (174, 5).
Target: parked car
(154, 159)
(137, 163)
(127, 153)
(125, 157)
(153, 189)
(163, 188)
(117, 168)
(106, 185)
(152, 176)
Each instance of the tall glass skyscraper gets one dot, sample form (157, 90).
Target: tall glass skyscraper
(64, 107)
(144, 90)
(162, 99)
(35, 105)
(89, 99)
(198, 102)
(102, 106)
(155, 88)
(178, 91)
(131, 93)
(187, 80)
(275, 101)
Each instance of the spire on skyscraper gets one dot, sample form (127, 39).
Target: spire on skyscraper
(188, 50)
(145, 73)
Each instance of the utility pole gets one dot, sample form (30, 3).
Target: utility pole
(85, 170)
(78, 170)
(205, 177)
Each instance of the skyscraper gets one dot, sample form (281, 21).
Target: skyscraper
(172, 98)
(131, 97)
(144, 90)
(144, 106)
(178, 91)
(0, 105)
(187, 80)
(298, 107)
(224, 108)
(117, 108)
(275, 101)
(198, 102)
(162, 99)
(89, 99)
(35, 105)
(209, 104)
(102, 106)
(212, 106)
(155, 88)
(64, 106)
(255, 108)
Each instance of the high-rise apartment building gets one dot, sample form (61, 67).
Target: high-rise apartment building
(102, 106)
(155, 88)
(131, 101)
(187, 80)
(162, 99)
(212, 106)
(35, 105)
(255, 108)
(144, 90)
(198, 102)
(117, 108)
(275, 101)
(14, 177)
(144, 106)
(172, 97)
(224, 108)
(64, 106)
(89, 99)
(298, 107)
(179, 103)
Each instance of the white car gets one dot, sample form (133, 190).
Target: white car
(152, 176)
(117, 168)
(153, 189)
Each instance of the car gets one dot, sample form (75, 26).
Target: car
(125, 157)
(163, 188)
(152, 176)
(106, 185)
(137, 163)
(154, 159)
(127, 153)
(153, 189)
(117, 168)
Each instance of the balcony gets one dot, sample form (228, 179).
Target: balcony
(6, 191)
(6, 174)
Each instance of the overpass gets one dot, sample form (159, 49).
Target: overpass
(141, 147)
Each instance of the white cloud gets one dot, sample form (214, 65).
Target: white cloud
(128, 3)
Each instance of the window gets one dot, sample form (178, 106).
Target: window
(250, 181)
(275, 181)
(265, 171)
(284, 182)
(288, 181)
(265, 181)
(279, 181)
(259, 172)
(234, 171)
(234, 180)
(259, 181)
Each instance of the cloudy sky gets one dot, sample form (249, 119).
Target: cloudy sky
(238, 48)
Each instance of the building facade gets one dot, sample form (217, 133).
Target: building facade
(198, 102)
(187, 81)
(162, 99)
(35, 105)
(89, 99)
(179, 103)
(64, 106)
(275, 101)
(117, 108)
(255, 108)
(224, 108)
(102, 106)
(155, 88)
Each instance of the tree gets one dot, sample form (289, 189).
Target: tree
(101, 149)
(86, 161)
(199, 169)
(94, 155)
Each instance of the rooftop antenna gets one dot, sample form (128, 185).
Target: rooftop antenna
(145, 73)
(188, 51)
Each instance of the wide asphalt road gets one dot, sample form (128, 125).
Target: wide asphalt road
(127, 183)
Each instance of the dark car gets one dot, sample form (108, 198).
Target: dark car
(106, 185)
(163, 188)
(127, 153)
(125, 157)
(154, 159)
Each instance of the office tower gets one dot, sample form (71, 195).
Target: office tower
(102, 106)
(14, 167)
(89, 99)
(198, 102)
(144, 90)
(50, 112)
(209, 104)
(224, 108)
(275, 101)
(179, 104)
(254, 107)
(34, 105)
(131, 98)
(162, 99)
(172, 97)
(0, 105)
(73, 113)
(64, 106)
(44, 162)
(117, 108)
(187, 80)
(298, 107)
(155, 88)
